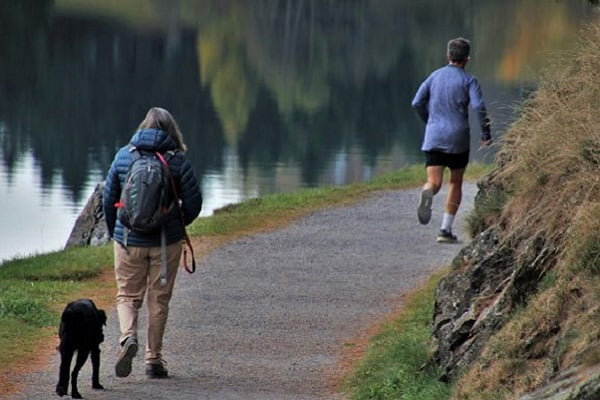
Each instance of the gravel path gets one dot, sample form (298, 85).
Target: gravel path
(266, 317)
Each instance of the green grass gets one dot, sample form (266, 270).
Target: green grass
(273, 210)
(396, 362)
(34, 290)
(76, 264)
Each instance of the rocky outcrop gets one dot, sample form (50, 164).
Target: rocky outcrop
(490, 278)
(576, 384)
(90, 228)
(467, 303)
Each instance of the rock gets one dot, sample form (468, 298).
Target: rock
(464, 300)
(491, 277)
(576, 384)
(90, 228)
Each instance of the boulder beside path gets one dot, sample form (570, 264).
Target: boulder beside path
(90, 228)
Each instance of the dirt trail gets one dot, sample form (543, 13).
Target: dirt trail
(266, 317)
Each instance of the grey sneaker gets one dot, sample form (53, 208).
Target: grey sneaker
(424, 210)
(157, 371)
(446, 237)
(128, 352)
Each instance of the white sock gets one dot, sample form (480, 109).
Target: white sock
(447, 222)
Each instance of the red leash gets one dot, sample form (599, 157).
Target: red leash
(189, 269)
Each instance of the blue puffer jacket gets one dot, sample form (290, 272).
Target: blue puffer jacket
(185, 182)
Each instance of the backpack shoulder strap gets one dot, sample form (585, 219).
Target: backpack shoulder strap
(169, 154)
(135, 153)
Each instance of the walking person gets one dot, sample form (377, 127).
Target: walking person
(146, 262)
(442, 102)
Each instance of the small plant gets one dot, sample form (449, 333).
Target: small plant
(487, 210)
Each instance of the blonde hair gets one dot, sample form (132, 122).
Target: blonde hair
(159, 118)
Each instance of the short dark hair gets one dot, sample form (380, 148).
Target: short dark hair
(459, 49)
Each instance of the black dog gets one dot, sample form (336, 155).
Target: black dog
(80, 331)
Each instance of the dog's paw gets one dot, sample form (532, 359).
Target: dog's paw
(61, 390)
(97, 386)
(76, 395)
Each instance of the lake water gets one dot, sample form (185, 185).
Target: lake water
(271, 96)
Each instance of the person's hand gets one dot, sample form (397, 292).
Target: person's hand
(485, 143)
(486, 140)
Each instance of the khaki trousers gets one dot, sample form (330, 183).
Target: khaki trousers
(137, 271)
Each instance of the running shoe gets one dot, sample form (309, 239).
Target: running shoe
(446, 237)
(424, 210)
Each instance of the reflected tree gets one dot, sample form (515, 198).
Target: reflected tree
(279, 80)
(76, 89)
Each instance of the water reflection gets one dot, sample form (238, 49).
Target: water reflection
(271, 95)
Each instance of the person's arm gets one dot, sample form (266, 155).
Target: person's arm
(478, 106)
(190, 195)
(110, 195)
(421, 101)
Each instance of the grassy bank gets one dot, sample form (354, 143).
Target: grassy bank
(550, 178)
(395, 364)
(34, 290)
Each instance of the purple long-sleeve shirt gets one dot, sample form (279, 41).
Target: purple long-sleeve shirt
(442, 101)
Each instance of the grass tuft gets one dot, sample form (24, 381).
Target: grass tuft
(488, 208)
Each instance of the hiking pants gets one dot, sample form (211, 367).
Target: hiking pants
(137, 271)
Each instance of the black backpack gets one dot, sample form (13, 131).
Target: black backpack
(145, 200)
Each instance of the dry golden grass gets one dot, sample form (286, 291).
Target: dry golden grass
(555, 145)
(553, 178)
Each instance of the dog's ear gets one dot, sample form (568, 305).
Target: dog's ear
(102, 317)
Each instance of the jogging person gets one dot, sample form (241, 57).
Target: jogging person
(442, 102)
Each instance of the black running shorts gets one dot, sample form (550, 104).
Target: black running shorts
(452, 161)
